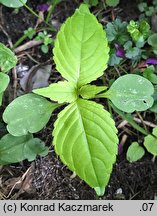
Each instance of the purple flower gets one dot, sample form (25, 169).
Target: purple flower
(43, 7)
(120, 52)
(151, 61)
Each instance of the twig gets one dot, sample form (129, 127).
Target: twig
(15, 82)
(142, 121)
(123, 140)
(28, 45)
(19, 182)
(130, 120)
(122, 124)
(7, 35)
(145, 122)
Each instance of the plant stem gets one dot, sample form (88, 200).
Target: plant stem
(109, 108)
(53, 5)
(19, 41)
(130, 120)
(30, 10)
(35, 14)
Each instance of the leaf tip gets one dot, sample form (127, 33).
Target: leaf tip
(99, 191)
(84, 8)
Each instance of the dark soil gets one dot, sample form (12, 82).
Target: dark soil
(48, 178)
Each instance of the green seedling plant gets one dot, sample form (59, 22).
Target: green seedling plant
(152, 42)
(127, 40)
(85, 136)
(15, 149)
(146, 10)
(7, 61)
(47, 41)
(150, 142)
(135, 152)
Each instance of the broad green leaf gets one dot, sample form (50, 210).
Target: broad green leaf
(61, 92)
(112, 3)
(131, 92)
(150, 142)
(7, 58)
(81, 48)
(86, 141)
(13, 3)
(135, 152)
(15, 149)
(28, 113)
(90, 91)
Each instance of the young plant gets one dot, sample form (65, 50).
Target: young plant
(112, 3)
(7, 61)
(47, 40)
(152, 42)
(139, 32)
(147, 10)
(150, 142)
(85, 136)
(135, 152)
(14, 149)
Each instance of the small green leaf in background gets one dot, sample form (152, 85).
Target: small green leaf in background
(15, 149)
(30, 32)
(117, 31)
(13, 3)
(131, 92)
(139, 31)
(149, 73)
(142, 6)
(28, 113)
(112, 3)
(114, 60)
(135, 152)
(81, 48)
(44, 48)
(150, 142)
(154, 107)
(61, 92)
(152, 42)
(90, 91)
(4, 81)
(131, 52)
(91, 2)
(86, 141)
(7, 59)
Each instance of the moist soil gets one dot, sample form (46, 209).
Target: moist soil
(47, 177)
